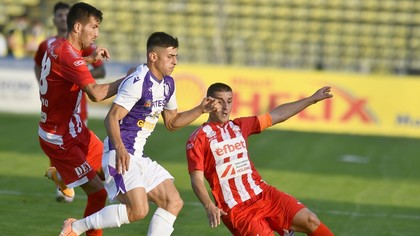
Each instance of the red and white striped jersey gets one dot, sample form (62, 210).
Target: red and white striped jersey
(220, 151)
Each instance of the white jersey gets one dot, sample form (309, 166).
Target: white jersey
(145, 98)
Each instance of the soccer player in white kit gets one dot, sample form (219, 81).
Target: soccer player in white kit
(131, 177)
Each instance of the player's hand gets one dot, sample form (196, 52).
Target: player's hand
(213, 214)
(322, 93)
(210, 104)
(122, 160)
(100, 54)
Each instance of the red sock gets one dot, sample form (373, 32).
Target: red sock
(322, 230)
(95, 202)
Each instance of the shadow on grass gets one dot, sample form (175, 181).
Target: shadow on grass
(27, 207)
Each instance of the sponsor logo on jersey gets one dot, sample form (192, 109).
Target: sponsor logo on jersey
(147, 105)
(190, 145)
(83, 169)
(79, 62)
(228, 148)
(145, 125)
(234, 168)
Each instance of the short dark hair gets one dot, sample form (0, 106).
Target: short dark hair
(161, 39)
(218, 87)
(80, 12)
(60, 5)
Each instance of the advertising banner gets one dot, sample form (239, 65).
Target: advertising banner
(362, 104)
(371, 105)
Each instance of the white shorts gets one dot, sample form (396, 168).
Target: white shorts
(142, 173)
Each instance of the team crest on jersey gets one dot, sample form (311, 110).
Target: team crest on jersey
(167, 89)
(147, 105)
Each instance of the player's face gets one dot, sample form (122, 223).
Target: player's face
(89, 32)
(222, 116)
(60, 19)
(166, 60)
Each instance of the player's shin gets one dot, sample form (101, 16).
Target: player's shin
(162, 223)
(109, 217)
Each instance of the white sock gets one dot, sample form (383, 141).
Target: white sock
(161, 223)
(109, 217)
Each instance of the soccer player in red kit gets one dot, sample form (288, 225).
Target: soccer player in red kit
(72, 148)
(247, 205)
(97, 70)
(60, 21)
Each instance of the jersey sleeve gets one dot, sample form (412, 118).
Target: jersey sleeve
(251, 125)
(39, 54)
(172, 103)
(194, 152)
(128, 92)
(88, 51)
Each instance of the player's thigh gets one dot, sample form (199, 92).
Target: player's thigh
(136, 201)
(70, 163)
(257, 227)
(246, 223)
(94, 154)
(281, 208)
(93, 185)
(165, 194)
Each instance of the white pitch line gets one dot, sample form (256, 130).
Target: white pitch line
(198, 204)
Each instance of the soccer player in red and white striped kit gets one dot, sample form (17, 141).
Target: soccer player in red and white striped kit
(247, 205)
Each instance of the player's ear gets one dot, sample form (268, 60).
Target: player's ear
(77, 27)
(152, 56)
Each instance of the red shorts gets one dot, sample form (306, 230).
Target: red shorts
(78, 162)
(272, 210)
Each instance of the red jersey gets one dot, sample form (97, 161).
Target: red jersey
(63, 74)
(221, 152)
(86, 52)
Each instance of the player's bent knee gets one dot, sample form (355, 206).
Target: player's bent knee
(305, 221)
(313, 222)
(135, 214)
(175, 205)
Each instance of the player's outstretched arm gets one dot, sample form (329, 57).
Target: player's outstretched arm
(174, 120)
(287, 110)
(100, 92)
(213, 212)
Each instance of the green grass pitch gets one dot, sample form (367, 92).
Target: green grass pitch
(357, 185)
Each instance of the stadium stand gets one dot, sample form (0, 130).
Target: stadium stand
(367, 36)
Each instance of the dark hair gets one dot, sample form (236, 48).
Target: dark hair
(80, 12)
(218, 87)
(161, 39)
(60, 5)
